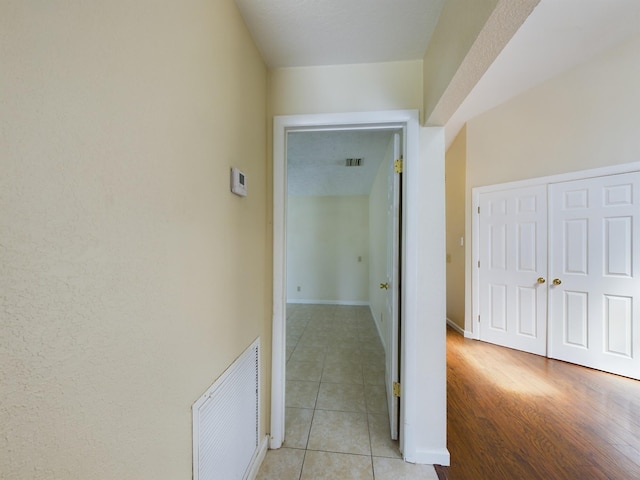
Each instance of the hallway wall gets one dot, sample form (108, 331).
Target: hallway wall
(346, 88)
(130, 276)
(455, 181)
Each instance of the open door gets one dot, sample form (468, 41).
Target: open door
(392, 286)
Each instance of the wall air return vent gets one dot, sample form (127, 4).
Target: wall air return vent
(226, 421)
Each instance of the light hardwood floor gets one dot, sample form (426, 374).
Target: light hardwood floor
(517, 416)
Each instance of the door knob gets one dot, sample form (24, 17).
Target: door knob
(384, 286)
(541, 280)
(557, 281)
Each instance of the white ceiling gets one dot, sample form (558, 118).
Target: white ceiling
(294, 33)
(557, 36)
(316, 161)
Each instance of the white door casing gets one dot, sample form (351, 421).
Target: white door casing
(393, 287)
(423, 354)
(512, 268)
(594, 313)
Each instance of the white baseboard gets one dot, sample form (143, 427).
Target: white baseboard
(254, 468)
(433, 457)
(329, 302)
(456, 327)
(375, 321)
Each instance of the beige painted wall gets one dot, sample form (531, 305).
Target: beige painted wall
(328, 249)
(455, 181)
(130, 276)
(585, 118)
(346, 88)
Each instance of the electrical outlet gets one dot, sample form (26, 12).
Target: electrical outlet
(299, 288)
(448, 258)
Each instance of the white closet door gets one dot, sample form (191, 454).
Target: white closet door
(513, 257)
(594, 273)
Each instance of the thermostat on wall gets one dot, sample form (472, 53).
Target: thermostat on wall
(238, 182)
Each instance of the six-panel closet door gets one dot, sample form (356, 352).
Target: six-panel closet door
(594, 273)
(559, 271)
(513, 257)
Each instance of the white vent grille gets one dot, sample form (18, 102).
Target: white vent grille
(226, 421)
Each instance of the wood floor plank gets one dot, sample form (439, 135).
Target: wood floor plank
(513, 415)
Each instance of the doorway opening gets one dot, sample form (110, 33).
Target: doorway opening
(422, 431)
(343, 281)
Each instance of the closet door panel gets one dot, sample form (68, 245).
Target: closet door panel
(594, 268)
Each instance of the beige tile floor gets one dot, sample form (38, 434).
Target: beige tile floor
(336, 425)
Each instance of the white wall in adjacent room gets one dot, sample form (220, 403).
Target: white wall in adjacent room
(328, 249)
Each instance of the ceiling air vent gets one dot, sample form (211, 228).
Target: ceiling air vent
(353, 162)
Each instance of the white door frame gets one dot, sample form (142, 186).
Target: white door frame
(423, 400)
(472, 326)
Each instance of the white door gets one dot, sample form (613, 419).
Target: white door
(594, 273)
(392, 284)
(512, 268)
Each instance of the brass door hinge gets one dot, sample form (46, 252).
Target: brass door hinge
(397, 165)
(396, 389)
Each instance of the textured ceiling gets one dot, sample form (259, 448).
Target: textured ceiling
(316, 161)
(293, 33)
